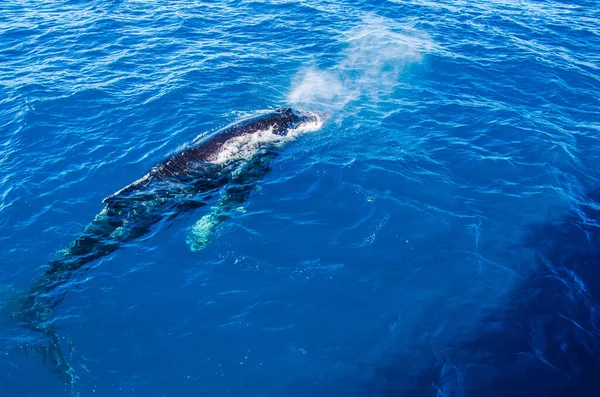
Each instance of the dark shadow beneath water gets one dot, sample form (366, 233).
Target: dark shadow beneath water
(542, 341)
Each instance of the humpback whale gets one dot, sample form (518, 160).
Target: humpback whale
(228, 162)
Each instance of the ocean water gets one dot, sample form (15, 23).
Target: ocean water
(437, 235)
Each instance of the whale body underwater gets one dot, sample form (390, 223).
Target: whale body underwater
(227, 163)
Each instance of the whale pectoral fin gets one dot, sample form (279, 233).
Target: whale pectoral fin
(119, 201)
(129, 190)
(230, 202)
(111, 200)
(201, 233)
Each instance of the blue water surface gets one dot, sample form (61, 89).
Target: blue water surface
(439, 235)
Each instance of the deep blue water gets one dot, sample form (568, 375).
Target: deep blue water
(439, 235)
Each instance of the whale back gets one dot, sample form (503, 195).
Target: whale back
(277, 122)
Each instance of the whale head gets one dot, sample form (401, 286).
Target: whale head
(294, 120)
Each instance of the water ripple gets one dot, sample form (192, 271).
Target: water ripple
(453, 127)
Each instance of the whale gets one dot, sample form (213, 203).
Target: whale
(227, 164)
